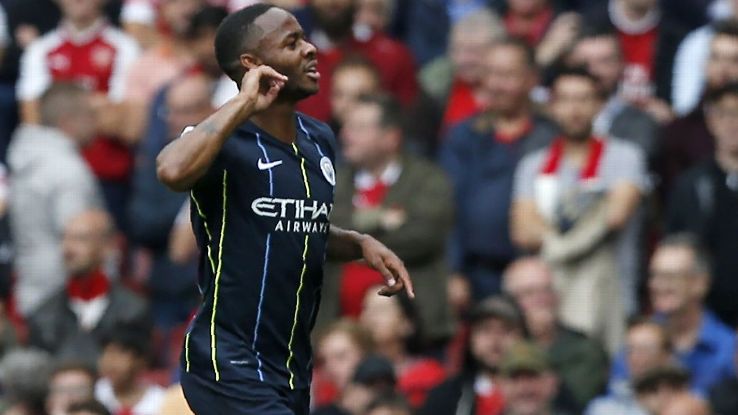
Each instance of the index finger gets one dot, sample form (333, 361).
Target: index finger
(268, 71)
(399, 270)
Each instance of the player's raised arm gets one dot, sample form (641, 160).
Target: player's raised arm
(185, 160)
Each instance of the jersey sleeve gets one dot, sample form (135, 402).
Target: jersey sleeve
(34, 73)
(126, 53)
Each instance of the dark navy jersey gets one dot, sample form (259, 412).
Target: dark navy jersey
(260, 216)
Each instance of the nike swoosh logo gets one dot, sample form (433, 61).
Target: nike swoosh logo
(266, 166)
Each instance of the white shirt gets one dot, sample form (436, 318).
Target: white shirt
(149, 404)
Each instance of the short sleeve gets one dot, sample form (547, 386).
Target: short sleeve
(525, 175)
(34, 73)
(627, 164)
(126, 54)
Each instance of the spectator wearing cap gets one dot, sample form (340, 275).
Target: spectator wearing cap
(122, 363)
(400, 199)
(87, 50)
(528, 381)
(704, 202)
(647, 346)
(50, 183)
(88, 308)
(496, 324)
(689, 140)
(580, 363)
(70, 383)
(480, 156)
(679, 281)
(658, 387)
(373, 377)
(330, 27)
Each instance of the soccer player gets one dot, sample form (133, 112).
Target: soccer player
(261, 179)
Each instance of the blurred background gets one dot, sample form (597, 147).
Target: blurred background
(559, 176)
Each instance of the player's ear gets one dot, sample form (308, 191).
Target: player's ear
(249, 61)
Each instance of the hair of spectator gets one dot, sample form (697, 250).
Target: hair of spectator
(727, 27)
(577, 72)
(712, 97)
(685, 240)
(130, 337)
(390, 110)
(358, 334)
(589, 32)
(529, 54)
(643, 321)
(483, 22)
(24, 375)
(512, 267)
(389, 400)
(59, 101)
(207, 18)
(93, 407)
(233, 37)
(74, 366)
(355, 61)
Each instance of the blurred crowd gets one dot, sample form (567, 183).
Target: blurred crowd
(560, 178)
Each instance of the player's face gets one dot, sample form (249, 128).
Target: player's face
(574, 105)
(80, 9)
(284, 47)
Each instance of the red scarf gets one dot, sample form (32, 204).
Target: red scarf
(88, 287)
(591, 166)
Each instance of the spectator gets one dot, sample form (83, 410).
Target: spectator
(705, 198)
(693, 52)
(70, 383)
(157, 66)
(123, 361)
(4, 35)
(528, 381)
(496, 324)
(329, 24)
(599, 51)
(686, 405)
(659, 386)
(680, 280)
(580, 363)
(396, 333)
(390, 404)
(724, 395)
(88, 408)
(352, 78)
(138, 19)
(154, 208)
(24, 374)
(73, 321)
(688, 141)
(374, 15)
(576, 201)
(373, 377)
(537, 23)
(50, 184)
(482, 169)
(647, 346)
(401, 200)
(455, 81)
(340, 349)
(87, 50)
(649, 41)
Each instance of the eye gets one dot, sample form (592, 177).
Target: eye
(292, 45)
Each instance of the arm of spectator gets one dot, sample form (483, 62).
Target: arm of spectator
(622, 201)
(33, 80)
(590, 230)
(559, 38)
(688, 82)
(527, 225)
(659, 109)
(74, 191)
(182, 243)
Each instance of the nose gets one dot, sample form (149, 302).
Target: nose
(309, 51)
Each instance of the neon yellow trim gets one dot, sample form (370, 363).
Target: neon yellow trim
(187, 352)
(304, 173)
(297, 308)
(217, 277)
(207, 229)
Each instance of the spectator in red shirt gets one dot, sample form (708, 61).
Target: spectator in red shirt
(87, 50)
(330, 26)
(394, 327)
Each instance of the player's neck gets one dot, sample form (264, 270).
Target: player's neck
(278, 121)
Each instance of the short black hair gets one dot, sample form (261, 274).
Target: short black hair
(577, 72)
(208, 17)
(644, 321)
(691, 242)
(727, 27)
(391, 114)
(94, 407)
(60, 100)
(356, 61)
(74, 366)
(130, 337)
(232, 38)
(712, 97)
(529, 54)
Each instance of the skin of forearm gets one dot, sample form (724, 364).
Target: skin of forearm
(344, 245)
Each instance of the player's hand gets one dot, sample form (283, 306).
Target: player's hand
(260, 86)
(389, 265)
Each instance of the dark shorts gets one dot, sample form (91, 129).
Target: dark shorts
(207, 397)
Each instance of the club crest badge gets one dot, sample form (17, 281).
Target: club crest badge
(328, 172)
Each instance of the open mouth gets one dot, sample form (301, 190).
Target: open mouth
(312, 71)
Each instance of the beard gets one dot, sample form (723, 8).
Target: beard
(336, 26)
(578, 134)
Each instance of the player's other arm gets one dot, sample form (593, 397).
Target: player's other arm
(346, 245)
(185, 160)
